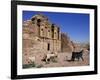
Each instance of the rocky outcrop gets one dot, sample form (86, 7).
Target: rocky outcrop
(66, 44)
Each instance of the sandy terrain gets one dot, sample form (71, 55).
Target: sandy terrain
(63, 60)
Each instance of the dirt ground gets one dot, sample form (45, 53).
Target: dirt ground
(63, 60)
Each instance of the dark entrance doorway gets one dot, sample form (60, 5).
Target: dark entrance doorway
(48, 48)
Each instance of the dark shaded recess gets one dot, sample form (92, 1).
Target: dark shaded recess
(38, 22)
(52, 30)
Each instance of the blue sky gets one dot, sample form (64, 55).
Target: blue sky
(76, 25)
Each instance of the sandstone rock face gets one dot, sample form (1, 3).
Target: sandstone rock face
(39, 37)
(66, 44)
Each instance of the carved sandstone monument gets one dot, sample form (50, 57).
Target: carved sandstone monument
(40, 36)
